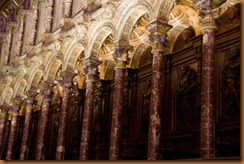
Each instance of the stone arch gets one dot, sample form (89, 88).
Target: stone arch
(106, 70)
(129, 20)
(130, 7)
(99, 33)
(49, 57)
(72, 55)
(162, 9)
(186, 16)
(51, 73)
(34, 78)
(7, 95)
(19, 87)
(173, 34)
(137, 54)
(182, 17)
(7, 84)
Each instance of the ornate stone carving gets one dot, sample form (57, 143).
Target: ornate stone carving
(185, 96)
(90, 68)
(230, 19)
(231, 83)
(146, 107)
(158, 35)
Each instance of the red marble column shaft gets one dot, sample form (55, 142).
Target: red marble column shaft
(27, 128)
(158, 28)
(12, 134)
(207, 111)
(3, 118)
(117, 111)
(156, 106)
(63, 124)
(85, 136)
(39, 155)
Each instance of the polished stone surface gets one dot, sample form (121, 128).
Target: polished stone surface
(27, 128)
(63, 123)
(12, 133)
(85, 136)
(208, 111)
(42, 130)
(116, 116)
(3, 119)
(156, 106)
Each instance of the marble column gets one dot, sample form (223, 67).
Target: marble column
(120, 67)
(3, 119)
(66, 83)
(27, 126)
(158, 29)
(90, 70)
(209, 29)
(13, 130)
(42, 130)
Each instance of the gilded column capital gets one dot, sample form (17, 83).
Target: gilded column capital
(91, 68)
(158, 29)
(31, 94)
(207, 14)
(3, 111)
(5, 107)
(46, 89)
(122, 48)
(208, 22)
(15, 105)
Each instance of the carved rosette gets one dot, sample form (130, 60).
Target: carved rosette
(158, 30)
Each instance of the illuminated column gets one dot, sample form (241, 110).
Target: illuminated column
(66, 83)
(118, 100)
(209, 29)
(158, 29)
(3, 118)
(13, 129)
(47, 92)
(67, 11)
(27, 127)
(49, 18)
(91, 71)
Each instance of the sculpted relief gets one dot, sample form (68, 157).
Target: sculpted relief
(231, 83)
(185, 97)
(146, 107)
